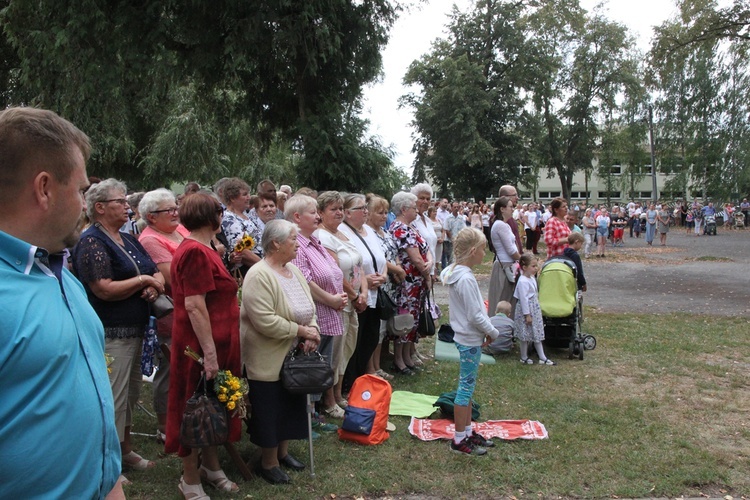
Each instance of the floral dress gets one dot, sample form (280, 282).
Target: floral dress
(235, 227)
(409, 293)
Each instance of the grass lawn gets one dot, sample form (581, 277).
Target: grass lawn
(659, 409)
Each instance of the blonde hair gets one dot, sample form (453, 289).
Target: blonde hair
(575, 236)
(467, 240)
(503, 307)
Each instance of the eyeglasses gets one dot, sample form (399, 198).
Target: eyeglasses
(121, 201)
(363, 207)
(170, 211)
(220, 211)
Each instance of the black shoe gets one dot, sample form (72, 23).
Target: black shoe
(274, 475)
(291, 463)
(478, 440)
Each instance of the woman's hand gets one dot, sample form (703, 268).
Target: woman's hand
(151, 282)
(149, 294)
(309, 346)
(397, 272)
(375, 281)
(339, 301)
(360, 304)
(308, 333)
(235, 258)
(529, 319)
(210, 365)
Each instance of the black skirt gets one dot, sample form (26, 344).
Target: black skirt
(276, 415)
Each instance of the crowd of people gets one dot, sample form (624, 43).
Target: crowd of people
(251, 275)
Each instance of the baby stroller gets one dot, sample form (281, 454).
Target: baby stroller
(562, 308)
(710, 225)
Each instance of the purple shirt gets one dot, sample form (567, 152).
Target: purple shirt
(319, 267)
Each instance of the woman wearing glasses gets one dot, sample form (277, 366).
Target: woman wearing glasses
(121, 281)
(161, 237)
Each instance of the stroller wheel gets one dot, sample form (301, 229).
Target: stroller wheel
(580, 353)
(589, 342)
(572, 349)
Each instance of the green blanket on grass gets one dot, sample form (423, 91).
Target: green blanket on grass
(412, 404)
(446, 351)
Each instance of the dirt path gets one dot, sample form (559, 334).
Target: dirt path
(703, 275)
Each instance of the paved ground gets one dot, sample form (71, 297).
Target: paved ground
(705, 275)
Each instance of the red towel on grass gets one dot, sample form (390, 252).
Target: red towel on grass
(429, 430)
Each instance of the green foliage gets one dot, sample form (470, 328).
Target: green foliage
(171, 89)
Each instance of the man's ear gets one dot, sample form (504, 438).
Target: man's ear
(42, 187)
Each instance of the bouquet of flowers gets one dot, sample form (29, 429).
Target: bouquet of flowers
(231, 391)
(245, 243)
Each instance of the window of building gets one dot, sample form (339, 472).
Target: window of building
(615, 169)
(549, 194)
(644, 194)
(579, 195)
(613, 195)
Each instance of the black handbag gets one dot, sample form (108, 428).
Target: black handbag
(426, 324)
(204, 421)
(385, 306)
(306, 373)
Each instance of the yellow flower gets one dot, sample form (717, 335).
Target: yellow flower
(222, 397)
(230, 405)
(223, 390)
(234, 384)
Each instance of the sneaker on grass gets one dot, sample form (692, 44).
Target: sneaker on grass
(478, 440)
(467, 448)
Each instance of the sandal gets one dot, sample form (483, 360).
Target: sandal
(334, 411)
(343, 403)
(384, 375)
(124, 481)
(527, 361)
(161, 438)
(192, 491)
(218, 480)
(402, 371)
(136, 462)
(547, 362)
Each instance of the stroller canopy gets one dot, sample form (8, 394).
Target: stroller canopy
(558, 288)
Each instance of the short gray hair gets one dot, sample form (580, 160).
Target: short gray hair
(351, 198)
(422, 187)
(153, 199)
(400, 200)
(101, 191)
(276, 231)
(297, 204)
(327, 197)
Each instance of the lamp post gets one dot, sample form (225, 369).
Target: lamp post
(651, 145)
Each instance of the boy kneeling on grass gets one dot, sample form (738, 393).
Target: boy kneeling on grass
(505, 327)
(473, 330)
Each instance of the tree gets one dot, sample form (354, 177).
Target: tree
(468, 112)
(274, 69)
(580, 63)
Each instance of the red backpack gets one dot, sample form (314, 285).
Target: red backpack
(366, 415)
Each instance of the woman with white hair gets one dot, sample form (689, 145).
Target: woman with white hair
(161, 237)
(277, 313)
(423, 192)
(414, 255)
(121, 281)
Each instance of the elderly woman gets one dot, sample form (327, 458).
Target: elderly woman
(376, 274)
(278, 312)
(323, 275)
(422, 223)
(264, 213)
(349, 260)
(236, 224)
(377, 215)
(206, 319)
(556, 230)
(662, 222)
(120, 281)
(414, 255)
(506, 253)
(161, 237)
(589, 232)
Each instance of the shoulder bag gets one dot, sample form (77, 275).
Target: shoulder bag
(426, 325)
(204, 421)
(385, 306)
(306, 373)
